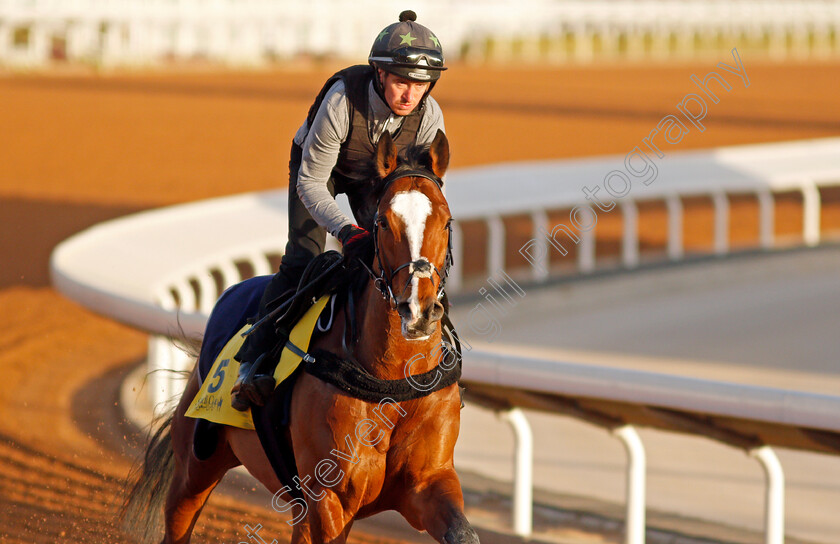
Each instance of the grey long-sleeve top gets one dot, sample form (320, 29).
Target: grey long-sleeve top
(321, 144)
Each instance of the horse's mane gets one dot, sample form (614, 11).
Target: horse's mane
(415, 156)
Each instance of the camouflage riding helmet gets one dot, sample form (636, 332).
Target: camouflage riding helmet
(409, 50)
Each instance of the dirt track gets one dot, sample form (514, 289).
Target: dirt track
(77, 149)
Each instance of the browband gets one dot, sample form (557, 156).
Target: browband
(406, 172)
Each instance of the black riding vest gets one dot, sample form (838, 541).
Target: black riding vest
(353, 172)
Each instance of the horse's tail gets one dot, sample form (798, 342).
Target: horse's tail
(142, 510)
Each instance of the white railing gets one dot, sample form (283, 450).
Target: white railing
(494, 193)
(613, 397)
(139, 269)
(32, 32)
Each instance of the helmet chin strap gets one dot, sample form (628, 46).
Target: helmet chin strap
(377, 83)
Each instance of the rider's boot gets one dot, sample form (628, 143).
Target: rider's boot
(252, 387)
(255, 381)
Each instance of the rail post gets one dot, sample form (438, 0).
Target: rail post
(774, 499)
(523, 480)
(635, 492)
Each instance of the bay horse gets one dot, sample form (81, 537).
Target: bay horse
(406, 462)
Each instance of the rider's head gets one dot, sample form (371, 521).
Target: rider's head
(409, 60)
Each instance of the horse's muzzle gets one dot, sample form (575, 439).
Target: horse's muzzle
(422, 326)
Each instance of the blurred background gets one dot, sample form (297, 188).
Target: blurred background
(113, 107)
(259, 32)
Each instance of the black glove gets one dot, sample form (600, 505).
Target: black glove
(357, 243)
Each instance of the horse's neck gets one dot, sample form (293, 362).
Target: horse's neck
(382, 349)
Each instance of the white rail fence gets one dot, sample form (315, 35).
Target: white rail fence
(140, 269)
(132, 32)
(750, 418)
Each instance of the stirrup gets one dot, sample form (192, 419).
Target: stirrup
(251, 389)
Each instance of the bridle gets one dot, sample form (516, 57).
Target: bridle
(421, 267)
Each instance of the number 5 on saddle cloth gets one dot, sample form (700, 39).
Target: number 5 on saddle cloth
(212, 402)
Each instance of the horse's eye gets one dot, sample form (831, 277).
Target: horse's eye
(383, 223)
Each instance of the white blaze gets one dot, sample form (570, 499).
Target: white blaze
(413, 208)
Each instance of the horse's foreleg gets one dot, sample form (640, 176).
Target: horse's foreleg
(328, 523)
(437, 506)
(300, 534)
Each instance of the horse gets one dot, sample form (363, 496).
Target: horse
(403, 457)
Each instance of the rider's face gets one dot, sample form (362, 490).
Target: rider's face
(401, 94)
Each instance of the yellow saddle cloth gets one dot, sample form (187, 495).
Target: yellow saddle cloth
(212, 402)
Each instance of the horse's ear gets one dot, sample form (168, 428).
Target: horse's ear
(439, 154)
(386, 155)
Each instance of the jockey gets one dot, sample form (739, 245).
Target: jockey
(330, 154)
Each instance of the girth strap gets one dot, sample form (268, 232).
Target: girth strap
(358, 383)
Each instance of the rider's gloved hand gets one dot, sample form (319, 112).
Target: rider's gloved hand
(356, 243)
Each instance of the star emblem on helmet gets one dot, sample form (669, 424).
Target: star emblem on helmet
(407, 38)
(434, 39)
(382, 35)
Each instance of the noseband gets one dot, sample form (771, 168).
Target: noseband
(420, 268)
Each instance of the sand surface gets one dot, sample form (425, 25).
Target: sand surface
(77, 148)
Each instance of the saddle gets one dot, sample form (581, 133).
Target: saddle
(229, 322)
(324, 275)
